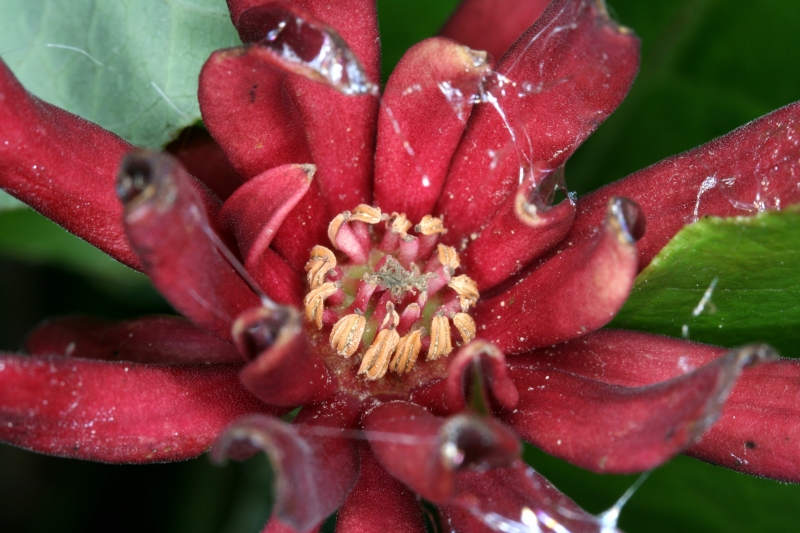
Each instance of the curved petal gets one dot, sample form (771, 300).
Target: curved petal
(759, 428)
(316, 465)
(153, 339)
(427, 453)
(255, 212)
(204, 159)
(476, 376)
(63, 166)
(610, 428)
(284, 369)
(267, 131)
(355, 20)
(516, 499)
(118, 412)
(424, 110)
(521, 232)
(570, 293)
(492, 25)
(558, 82)
(753, 168)
(760, 423)
(379, 503)
(331, 86)
(168, 225)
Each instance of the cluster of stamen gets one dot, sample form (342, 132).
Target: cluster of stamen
(393, 292)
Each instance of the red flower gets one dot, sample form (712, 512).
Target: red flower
(523, 285)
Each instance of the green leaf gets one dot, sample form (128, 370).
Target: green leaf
(129, 65)
(708, 66)
(725, 281)
(684, 495)
(8, 202)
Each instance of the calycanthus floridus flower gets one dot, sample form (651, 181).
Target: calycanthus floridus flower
(395, 266)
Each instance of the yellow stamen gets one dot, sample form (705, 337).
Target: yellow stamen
(336, 223)
(346, 334)
(322, 261)
(366, 213)
(376, 360)
(440, 338)
(408, 349)
(448, 257)
(430, 225)
(315, 302)
(467, 290)
(465, 326)
(400, 223)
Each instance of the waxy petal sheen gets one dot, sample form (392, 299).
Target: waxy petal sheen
(758, 427)
(558, 82)
(118, 412)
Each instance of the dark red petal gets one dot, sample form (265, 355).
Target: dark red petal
(315, 463)
(258, 208)
(118, 412)
(626, 358)
(204, 159)
(492, 25)
(520, 232)
(570, 294)
(753, 168)
(285, 369)
(760, 423)
(610, 428)
(476, 377)
(305, 227)
(63, 166)
(168, 225)
(516, 499)
(154, 339)
(341, 135)
(558, 82)
(379, 503)
(267, 131)
(427, 453)
(424, 110)
(344, 109)
(355, 20)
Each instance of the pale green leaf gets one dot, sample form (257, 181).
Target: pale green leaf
(130, 66)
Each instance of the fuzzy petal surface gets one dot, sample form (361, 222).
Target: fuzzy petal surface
(492, 25)
(168, 224)
(424, 110)
(428, 453)
(154, 339)
(118, 412)
(379, 502)
(315, 462)
(617, 429)
(63, 166)
(753, 168)
(556, 84)
(758, 428)
(570, 293)
(284, 368)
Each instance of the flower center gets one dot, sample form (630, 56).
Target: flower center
(388, 294)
